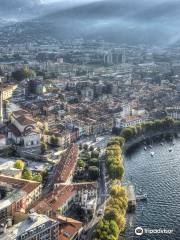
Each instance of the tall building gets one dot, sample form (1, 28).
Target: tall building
(113, 58)
(124, 56)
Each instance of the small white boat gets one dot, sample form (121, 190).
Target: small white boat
(145, 148)
(170, 149)
(141, 197)
(150, 146)
(152, 154)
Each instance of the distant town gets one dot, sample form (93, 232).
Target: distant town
(61, 102)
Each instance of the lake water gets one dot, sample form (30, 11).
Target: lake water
(159, 177)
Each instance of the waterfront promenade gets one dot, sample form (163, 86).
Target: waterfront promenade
(149, 135)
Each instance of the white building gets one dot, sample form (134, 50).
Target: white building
(23, 131)
(129, 121)
(2, 141)
(36, 226)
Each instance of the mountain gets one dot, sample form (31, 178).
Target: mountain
(140, 21)
(127, 21)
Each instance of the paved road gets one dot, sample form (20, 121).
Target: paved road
(102, 196)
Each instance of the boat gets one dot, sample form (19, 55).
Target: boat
(162, 144)
(145, 148)
(170, 149)
(150, 146)
(152, 154)
(141, 197)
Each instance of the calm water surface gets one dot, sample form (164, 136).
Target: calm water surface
(159, 177)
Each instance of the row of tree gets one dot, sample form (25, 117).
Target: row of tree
(88, 167)
(130, 132)
(114, 158)
(114, 220)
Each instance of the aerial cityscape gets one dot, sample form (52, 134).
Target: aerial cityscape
(89, 120)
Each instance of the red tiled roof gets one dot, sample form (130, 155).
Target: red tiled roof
(60, 196)
(27, 186)
(68, 228)
(66, 165)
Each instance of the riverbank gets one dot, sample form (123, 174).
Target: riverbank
(146, 131)
(148, 137)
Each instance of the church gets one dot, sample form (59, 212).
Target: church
(22, 130)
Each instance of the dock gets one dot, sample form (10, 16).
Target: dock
(131, 198)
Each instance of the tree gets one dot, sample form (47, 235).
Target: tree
(85, 147)
(116, 140)
(38, 178)
(43, 147)
(95, 154)
(91, 148)
(116, 171)
(54, 141)
(114, 214)
(27, 174)
(127, 133)
(168, 122)
(93, 173)
(118, 191)
(106, 230)
(80, 146)
(87, 155)
(19, 164)
(23, 73)
(94, 162)
(81, 163)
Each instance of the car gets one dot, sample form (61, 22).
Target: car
(100, 212)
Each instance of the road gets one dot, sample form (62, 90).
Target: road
(102, 196)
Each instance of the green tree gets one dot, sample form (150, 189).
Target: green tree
(80, 146)
(43, 147)
(118, 217)
(106, 230)
(27, 174)
(19, 164)
(116, 140)
(127, 133)
(91, 148)
(87, 155)
(81, 163)
(54, 141)
(95, 154)
(85, 147)
(116, 171)
(93, 173)
(94, 162)
(38, 178)
(23, 73)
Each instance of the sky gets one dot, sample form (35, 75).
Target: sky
(72, 1)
